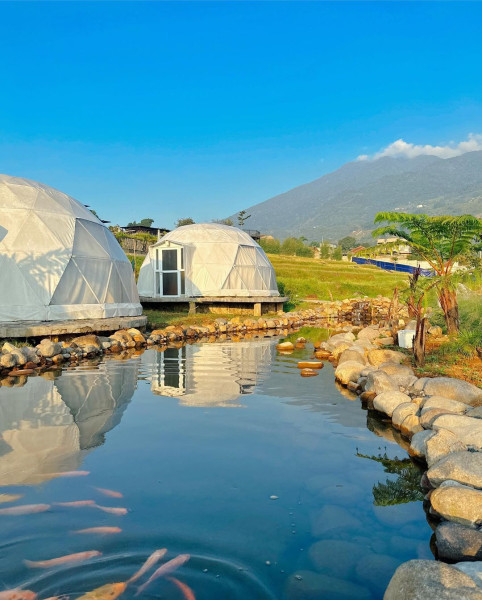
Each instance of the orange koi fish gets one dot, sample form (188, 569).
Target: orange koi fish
(101, 530)
(113, 510)
(110, 591)
(150, 562)
(185, 589)
(17, 594)
(76, 503)
(24, 509)
(9, 497)
(71, 474)
(54, 562)
(109, 493)
(165, 569)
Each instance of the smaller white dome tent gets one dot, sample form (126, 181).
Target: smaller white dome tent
(206, 260)
(57, 261)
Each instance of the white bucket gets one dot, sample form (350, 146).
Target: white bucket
(405, 338)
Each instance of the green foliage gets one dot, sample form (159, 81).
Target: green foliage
(325, 250)
(243, 217)
(337, 253)
(347, 243)
(406, 488)
(142, 222)
(270, 245)
(182, 222)
(295, 247)
(228, 222)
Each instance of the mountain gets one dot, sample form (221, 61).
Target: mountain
(345, 202)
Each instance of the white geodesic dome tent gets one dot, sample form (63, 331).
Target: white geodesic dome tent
(206, 260)
(57, 260)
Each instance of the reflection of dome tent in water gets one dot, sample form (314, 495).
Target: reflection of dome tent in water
(47, 426)
(57, 260)
(207, 259)
(210, 374)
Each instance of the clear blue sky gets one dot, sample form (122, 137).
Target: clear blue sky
(170, 110)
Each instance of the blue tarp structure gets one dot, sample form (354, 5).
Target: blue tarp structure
(390, 266)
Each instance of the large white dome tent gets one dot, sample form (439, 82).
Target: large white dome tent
(206, 260)
(57, 260)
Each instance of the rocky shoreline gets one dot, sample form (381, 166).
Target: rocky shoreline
(440, 420)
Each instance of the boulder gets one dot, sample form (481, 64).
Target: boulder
(387, 402)
(472, 569)
(464, 467)
(378, 357)
(339, 349)
(353, 355)
(369, 333)
(313, 364)
(410, 426)
(48, 349)
(336, 557)
(87, 340)
(455, 389)
(447, 404)
(428, 417)
(431, 580)
(459, 504)
(8, 360)
(123, 336)
(475, 413)
(375, 570)
(348, 371)
(418, 447)
(400, 374)
(466, 429)
(440, 444)
(379, 382)
(456, 542)
(20, 356)
(285, 347)
(435, 331)
(401, 411)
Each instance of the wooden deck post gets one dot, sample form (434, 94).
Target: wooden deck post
(192, 308)
(257, 309)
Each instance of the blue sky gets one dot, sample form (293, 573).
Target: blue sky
(197, 109)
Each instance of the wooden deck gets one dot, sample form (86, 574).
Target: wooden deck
(223, 304)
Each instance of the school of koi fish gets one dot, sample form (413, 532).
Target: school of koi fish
(109, 591)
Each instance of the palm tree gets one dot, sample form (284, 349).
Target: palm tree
(440, 241)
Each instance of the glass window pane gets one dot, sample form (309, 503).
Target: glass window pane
(169, 284)
(158, 284)
(183, 283)
(169, 260)
(157, 260)
(182, 258)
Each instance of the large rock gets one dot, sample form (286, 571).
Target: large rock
(472, 569)
(339, 349)
(387, 402)
(375, 570)
(8, 360)
(429, 416)
(431, 580)
(369, 333)
(47, 348)
(402, 411)
(400, 374)
(20, 355)
(456, 542)
(308, 585)
(466, 429)
(447, 404)
(464, 467)
(88, 340)
(353, 355)
(439, 445)
(459, 504)
(348, 371)
(418, 444)
(410, 426)
(336, 557)
(379, 382)
(455, 389)
(379, 357)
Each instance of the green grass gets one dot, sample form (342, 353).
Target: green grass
(302, 278)
(139, 259)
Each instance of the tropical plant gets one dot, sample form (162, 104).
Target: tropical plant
(182, 222)
(243, 217)
(440, 241)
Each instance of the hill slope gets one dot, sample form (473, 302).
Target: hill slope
(346, 200)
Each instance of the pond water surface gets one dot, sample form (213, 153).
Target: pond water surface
(273, 483)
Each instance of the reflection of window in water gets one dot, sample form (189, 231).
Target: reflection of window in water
(171, 372)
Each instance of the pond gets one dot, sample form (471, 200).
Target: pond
(272, 483)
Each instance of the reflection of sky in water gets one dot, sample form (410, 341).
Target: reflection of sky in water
(200, 481)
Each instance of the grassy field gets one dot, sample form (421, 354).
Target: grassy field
(302, 278)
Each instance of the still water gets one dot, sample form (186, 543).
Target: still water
(273, 483)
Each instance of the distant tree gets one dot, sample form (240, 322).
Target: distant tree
(295, 247)
(314, 244)
(337, 253)
(441, 241)
(182, 222)
(325, 250)
(243, 217)
(270, 245)
(347, 243)
(228, 222)
(94, 213)
(142, 223)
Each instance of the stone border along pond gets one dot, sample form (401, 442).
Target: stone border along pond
(441, 416)
(442, 419)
